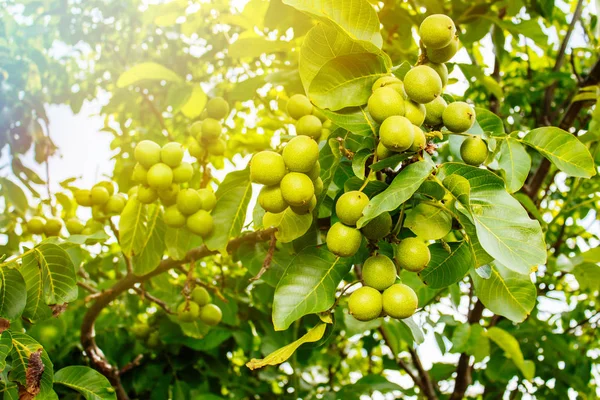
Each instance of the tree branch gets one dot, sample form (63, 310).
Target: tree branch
(103, 299)
(427, 385)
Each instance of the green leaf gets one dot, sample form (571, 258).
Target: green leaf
(58, 273)
(358, 162)
(516, 242)
(447, 268)
(147, 71)
(35, 308)
(229, 215)
(194, 105)
(13, 293)
(14, 194)
(404, 185)
(397, 332)
(356, 19)
(390, 162)
(153, 248)
(89, 382)
(506, 292)
(512, 350)
(329, 157)
(429, 222)
(179, 241)
(588, 276)
(290, 226)
(563, 150)
(252, 47)
(281, 355)
(515, 163)
(308, 285)
(367, 385)
(5, 348)
(23, 346)
(132, 227)
(489, 122)
(354, 119)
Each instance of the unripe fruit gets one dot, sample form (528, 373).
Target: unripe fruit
(147, 153)
(349, 207)
(183, 173)
(201, 223)
(434, 111)
(93, 226)
(169, 196)
(74, 226)
(300, 154)
(365, 304)
(146, 195)
(140, 330)
(153, 340)
(383, 152)
(211, 314)
(379, 272)
(441, 69)
(420, 141)
(208, 198)
(216, 148)
(173, 217)
(217, 108)
(400, 301)
(298, 106)
(200, 296)
(271, 199)
(396, 133)
(319, 114)
(99, 195)
(422, 84)
(115, 204)
(297, 189)
(384, 103)
(83, 197)
(267, 168)
(188, 311)
(458, 117)
(53, 226)
(412, 254)
(473, 151)
(378, 228)
(444, 54)
(211, 129)
(307, 208)
(196, 130)
(390, 82)
(310, 126)
(36, 225)
(315, 171)
(188, 201)
(172, 154)
(196, 150)
(318, 186)
(342, 240)
(160, 176)
(415, 113)
(436, 31)
(140, 174)
(108, 186)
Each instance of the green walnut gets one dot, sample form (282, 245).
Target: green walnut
(188, 311)
(342, 240)
(365, 304)
(271, 199)
(169, 195)
(36, 225)
(309, 125)
(434, 111)
(115, 204)
(458, 117)
(436, 31)
(173, 217)
(422, 84)
(200, 296)
(379, 272)
(420, 140)
(139, 174)
(383, 152)
(298, 106)
(160, 176)
(74, 226)
(473, 151)
(318, 186)
(384, 103)
(300, 154)
(297, 189)
(378, 228)
(188, 201)
(100, 195)
(172, 154)
(412, 254)
(400, 301)
(83, 197)
(208, 198)
(146, 195)
(182, 173)
(415, 113)
(307, 208)
(201, 223)
(315, 172)
(53, 226)
(441, 69)
(211, 129)
(211, 314)
(267, 168)
(390, 82)
(216, 148)
(217, 108)
(349, 207)
(147, 153)
(397, 133)
(444, 54)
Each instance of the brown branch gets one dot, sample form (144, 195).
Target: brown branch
(129, 366)
(88, 334)
(401, 362)
(427, 384)
(159, 116)
(147, 296)
(87, 287)
(267, 262)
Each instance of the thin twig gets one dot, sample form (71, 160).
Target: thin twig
(159, 116)
(147, 296)
(268, 258)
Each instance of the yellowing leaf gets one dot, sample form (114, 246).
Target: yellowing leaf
(147, 71)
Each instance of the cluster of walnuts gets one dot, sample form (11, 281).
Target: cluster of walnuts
(199, 306)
